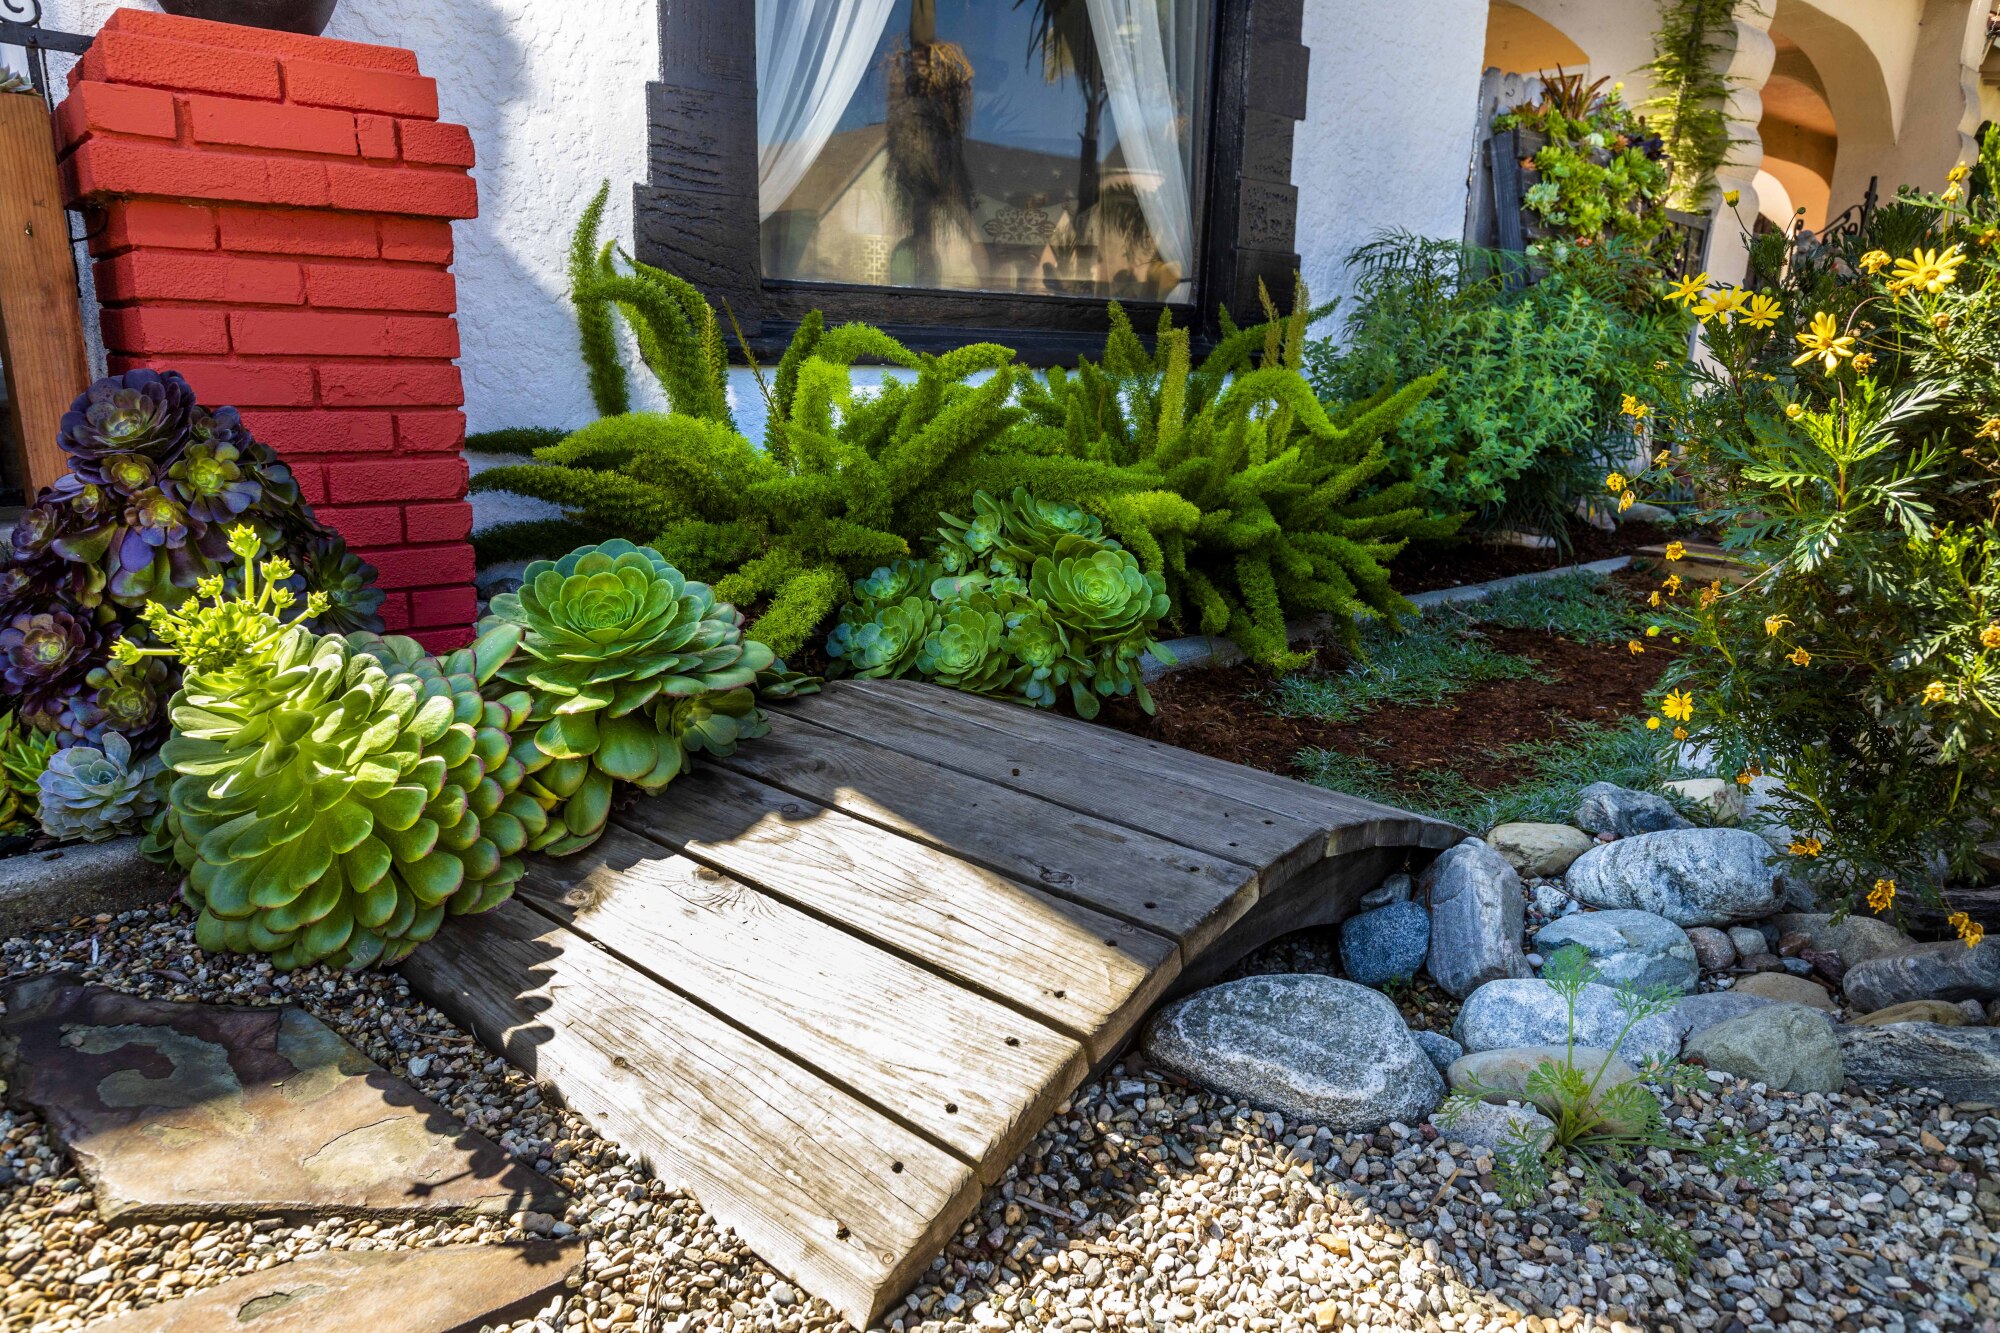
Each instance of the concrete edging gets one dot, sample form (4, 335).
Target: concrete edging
(45, 890)
(1201, 650)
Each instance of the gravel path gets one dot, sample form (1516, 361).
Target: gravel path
(1145, 1205)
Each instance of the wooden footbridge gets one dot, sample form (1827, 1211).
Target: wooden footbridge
(831, 986)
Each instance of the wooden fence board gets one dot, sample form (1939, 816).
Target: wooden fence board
(41, 322)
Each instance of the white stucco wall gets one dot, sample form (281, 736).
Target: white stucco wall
(1388, 135)
(555, 97)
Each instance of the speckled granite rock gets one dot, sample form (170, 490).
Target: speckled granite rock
(1311, 1046)
(1511, 1012)
(1961, 1063)
(1477, 916)
(1786, 1047)
(1946, 970)
(1692, 877)
(1638, 950)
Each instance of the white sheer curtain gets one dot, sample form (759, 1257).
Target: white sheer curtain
(811, 56)
(1142, 75)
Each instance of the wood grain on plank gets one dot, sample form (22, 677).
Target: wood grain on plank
(830, 1192)
(41, 320)
(1173, 890)
(966, 1071)
(1350, 821)
(1146, 798)
(1088, 974)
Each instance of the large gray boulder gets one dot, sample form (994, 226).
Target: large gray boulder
(1858, 939)
(1704, 1010)
(1387, 944)
(1961, 1063)
(1692, 877)
(1605, 807)
(1512, 1012)
(1786, 1047)
(1634, 950)
(1943, 971)
(1316, 1048)
(1477, 915)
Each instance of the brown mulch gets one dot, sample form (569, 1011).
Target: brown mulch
(1422, 568)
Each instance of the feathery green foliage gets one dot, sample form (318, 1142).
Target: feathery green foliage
(513, 439)
(1691, 51)
(1230, 480)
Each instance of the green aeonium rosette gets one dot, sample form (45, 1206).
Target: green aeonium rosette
(327, 805)
(612, 636)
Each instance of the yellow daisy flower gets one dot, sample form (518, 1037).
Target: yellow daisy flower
(1958, 173)
(1626, 501)
(1688, 290)
(1968, 930)
(1793, 411)
(1635, 409)
(1989, 429)
(1743, 779)
(1727, 303)
(1680, 733)
(1762, 312)
(1990, 636)
(1652, 724)
(1824, 342)
(1635, 647)
(1927, 271)
(1678, 705)
(1799, 657)
(1614, 482)
(1935, 692)
(1654, 598)
(1806, 847)
(1675, 550)
(1875, 261)
(1672, 583)
(1772, 624)
(1882, 896)
(1863, 360)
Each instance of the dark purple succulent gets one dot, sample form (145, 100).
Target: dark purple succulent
(140, 412)
(36, 530)
(212, 482)
(155, 519)
(130, 700)
(41, 650)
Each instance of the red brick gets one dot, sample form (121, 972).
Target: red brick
(143, 330)
(105, 108)
(314, 333)
(370, 525)
(398, 479)
(391, 384)
(424, 194)
(148, 24)
(380, 287)
(123, 167)
(443, 640)
(155, 223)
(378, 136)
(395, 612)
(317, 83)
(429, 432)
(296, 129)
(241, 383)
(416, 239)
(444, 606)
(441, 144)
(438, 522)
(293, 231)
(126, 57)
(150, 275)
(420, 566)
(296, 433)
(312, 481)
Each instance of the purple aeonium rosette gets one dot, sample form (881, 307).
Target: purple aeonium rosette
(141, 412)
(40, 650)
(212, 481)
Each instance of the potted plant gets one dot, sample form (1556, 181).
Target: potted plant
(306, 16)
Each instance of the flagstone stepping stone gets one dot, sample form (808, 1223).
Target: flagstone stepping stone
(174, 1110)
(449, 1289)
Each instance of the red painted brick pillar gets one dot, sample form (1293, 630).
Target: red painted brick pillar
(276, 226)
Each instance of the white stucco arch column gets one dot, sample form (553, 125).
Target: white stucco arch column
(1750, 59)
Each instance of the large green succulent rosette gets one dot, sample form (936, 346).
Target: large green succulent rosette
(1109, 607)
(328, 804)
(611, 637)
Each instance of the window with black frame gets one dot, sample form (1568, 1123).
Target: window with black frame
(1045, 147)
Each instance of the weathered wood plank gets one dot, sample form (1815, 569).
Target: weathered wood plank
(1165, 805)
(1351, 822)
(833, 1194)
(1083, 972)
(965, 1071)
(1172, 890)
(41, 322)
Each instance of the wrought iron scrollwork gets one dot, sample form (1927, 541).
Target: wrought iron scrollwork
(21, 25)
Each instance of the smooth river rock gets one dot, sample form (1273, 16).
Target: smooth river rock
(1605, 807)
(1722, 798)
(1787, 989)
(1713, 949)
(1477, 916)
(1915, 1011)
(1506, 1072)
(1314, 1047)
(1635, 950)
(176, 1111)
(1485, 1125)
(1692, 877)
(1705, 1009)
(1946, 970)
(1786, 1047)
(1539, 849)
(1858, 939)
(1441, 1049)
(1511, 1012)
(1962, 1063)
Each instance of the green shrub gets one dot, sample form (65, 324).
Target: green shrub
(1527, 414)
(1027, 601)
(1598, 1131)
(1848, 445)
